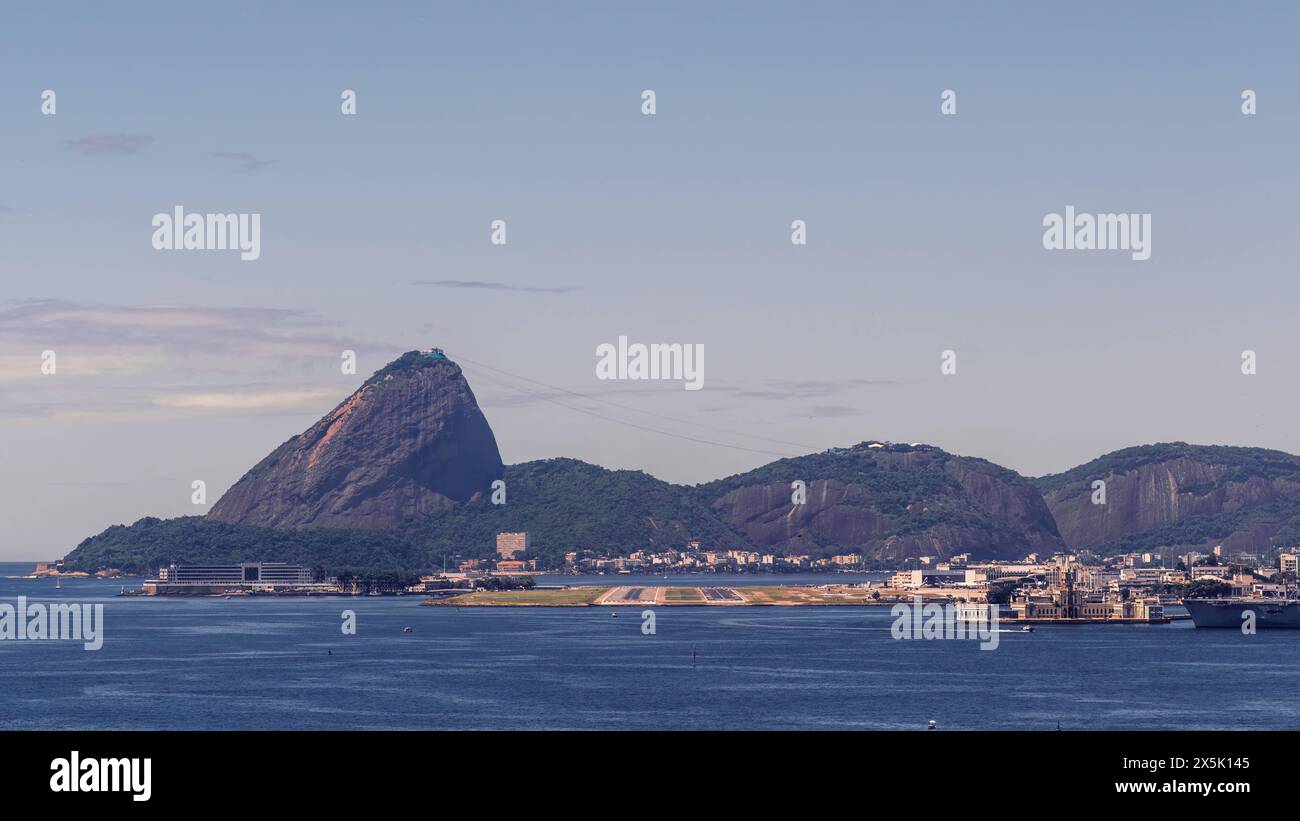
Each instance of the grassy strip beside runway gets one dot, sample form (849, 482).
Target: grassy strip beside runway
(564, 597)
(683, 595)
(822, 595)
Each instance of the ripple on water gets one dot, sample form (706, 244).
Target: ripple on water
(285, 664)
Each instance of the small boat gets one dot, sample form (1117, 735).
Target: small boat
(613, 615)
(408, 629)
(1027, 629)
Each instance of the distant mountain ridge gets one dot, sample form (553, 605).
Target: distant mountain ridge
(400, 476)
(888, 501)
(858, 499)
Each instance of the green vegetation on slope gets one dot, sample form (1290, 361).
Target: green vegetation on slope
(151, 543)
(894, 486)
(563, 504)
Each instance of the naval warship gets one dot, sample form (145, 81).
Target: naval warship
(1231, 612)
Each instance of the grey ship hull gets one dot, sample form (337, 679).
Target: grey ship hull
(1269, 614)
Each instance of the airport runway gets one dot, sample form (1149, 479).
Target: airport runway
(656, 595)
(720, 595)
(633, 596)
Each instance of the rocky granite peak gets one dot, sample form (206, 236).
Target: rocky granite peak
(409, 442)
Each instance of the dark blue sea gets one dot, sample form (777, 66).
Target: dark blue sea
(215, 663)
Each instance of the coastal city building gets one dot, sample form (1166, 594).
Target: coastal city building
(996, 571)
(1145, 575)
(1065, 599)
(916, 579)
(268, 577)
(510, 545)
(1059, 605)
(516, 566)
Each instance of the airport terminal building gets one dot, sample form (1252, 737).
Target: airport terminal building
(200, 579)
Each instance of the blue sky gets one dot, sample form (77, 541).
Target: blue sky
(924, 230)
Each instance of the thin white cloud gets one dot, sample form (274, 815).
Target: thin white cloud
(139, 361)
(831, 411)
(484, 285)
(94, 145)
(251, 400)
(243, 160)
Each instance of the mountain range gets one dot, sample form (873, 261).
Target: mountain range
(405, 474)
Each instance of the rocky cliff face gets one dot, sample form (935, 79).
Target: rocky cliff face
(890, 501)
(411, 441)
(1246, 499)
